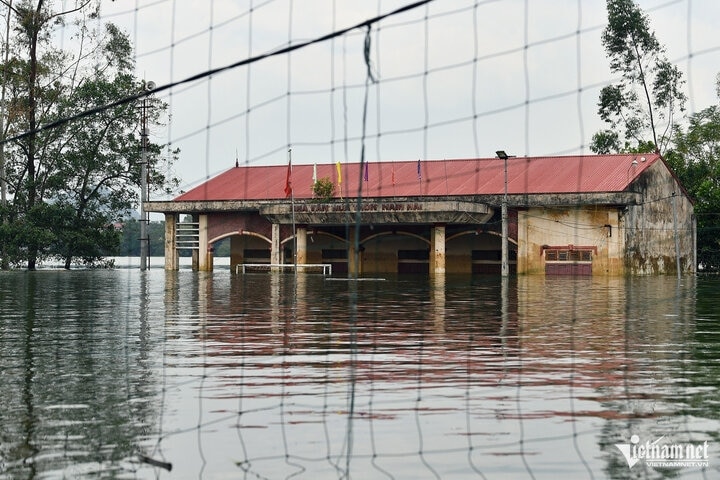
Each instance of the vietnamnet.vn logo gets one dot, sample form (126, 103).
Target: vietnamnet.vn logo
(657, 454)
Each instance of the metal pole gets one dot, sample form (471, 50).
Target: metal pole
(292, 207)
(143, 189)
(504, 270)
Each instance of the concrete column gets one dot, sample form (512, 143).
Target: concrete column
(523, 255)
(194, 253)
(210, 264)
(437, 250)
(172, 261)
(275, 244)
(204, 255)
(237, 242)
(351, 253)
(301, 245)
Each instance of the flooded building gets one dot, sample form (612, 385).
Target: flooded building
(582, 215)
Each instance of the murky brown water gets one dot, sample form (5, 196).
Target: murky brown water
(272, 376)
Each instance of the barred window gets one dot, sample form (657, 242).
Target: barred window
(567, 255)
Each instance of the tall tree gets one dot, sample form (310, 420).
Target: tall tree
(696, 160)
(70, 183)
(99, 165)
(33, 26)
(641, 108)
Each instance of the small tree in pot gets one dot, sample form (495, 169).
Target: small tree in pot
(323, 189)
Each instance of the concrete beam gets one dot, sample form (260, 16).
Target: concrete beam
(399, 212)
(460, 202)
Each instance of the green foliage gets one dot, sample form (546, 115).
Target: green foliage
(69, 184)
(696, 161)
(605, 142)
(323, 189)
(130, 238)
(641, 107)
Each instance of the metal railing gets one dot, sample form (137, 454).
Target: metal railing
(282, 267)
(187, 235)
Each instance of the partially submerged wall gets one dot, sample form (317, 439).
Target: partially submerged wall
(591, 228)
(652, 227)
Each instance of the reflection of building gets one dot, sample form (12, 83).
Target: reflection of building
(586, 215)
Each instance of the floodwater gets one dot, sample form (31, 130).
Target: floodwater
(184, 375)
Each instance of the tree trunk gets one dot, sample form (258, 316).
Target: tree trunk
(32, 124)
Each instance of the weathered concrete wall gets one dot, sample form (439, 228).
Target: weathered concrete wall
(380, 255)
(590, 226)
(240, 243)
(459, 250)
(220, 224)
(650, 229)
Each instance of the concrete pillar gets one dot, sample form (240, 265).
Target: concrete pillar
(172, 261)
(275, 244)
(237, 244)
(301, 245)
(521, 264)
(194, 253)
(210, 264)
(204, 255)
(351, 253)
(437, 250)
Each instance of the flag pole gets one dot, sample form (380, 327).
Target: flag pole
(292, 207)
(419, 176)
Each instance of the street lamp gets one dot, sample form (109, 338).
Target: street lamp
(504, 270)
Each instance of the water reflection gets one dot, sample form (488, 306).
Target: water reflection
(276, 376)
(78, 384)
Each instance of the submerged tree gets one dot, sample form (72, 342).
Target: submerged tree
(69, 184)
(640, 109)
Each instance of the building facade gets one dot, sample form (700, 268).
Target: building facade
(579, 215)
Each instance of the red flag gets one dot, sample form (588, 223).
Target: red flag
(288, 181)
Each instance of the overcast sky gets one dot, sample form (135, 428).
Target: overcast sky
(522, 76)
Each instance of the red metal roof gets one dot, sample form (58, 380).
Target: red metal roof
(480, 176)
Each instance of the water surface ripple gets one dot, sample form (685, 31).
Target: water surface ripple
(126, 374)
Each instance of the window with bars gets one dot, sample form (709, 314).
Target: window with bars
(567, 255)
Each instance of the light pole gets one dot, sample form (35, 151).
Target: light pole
(144, 240)
(504, 269)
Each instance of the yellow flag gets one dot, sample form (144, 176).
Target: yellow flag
(339, 173)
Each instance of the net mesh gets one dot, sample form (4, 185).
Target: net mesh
(340, 81)
(353, 82)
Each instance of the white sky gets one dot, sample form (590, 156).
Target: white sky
(551, 109)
